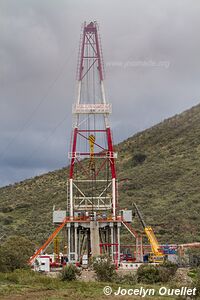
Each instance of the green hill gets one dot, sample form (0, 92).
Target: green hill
(158, 168)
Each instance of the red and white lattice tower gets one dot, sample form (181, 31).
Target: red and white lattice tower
(93, 222)
(92, 201)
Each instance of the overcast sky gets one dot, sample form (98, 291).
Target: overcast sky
(151, 54)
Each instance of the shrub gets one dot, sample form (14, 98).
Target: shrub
(158, 273)
(14, 253)
(148, 274)
(138, 158)
(104, 268)
(6, 209)
(70, 272)
(194, 257)
(8, 220)
(166, 271)
(196, 283)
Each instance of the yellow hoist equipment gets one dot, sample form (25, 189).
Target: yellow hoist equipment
(91, 139)
(56, 248)
(156, 255)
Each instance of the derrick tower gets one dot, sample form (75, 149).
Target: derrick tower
(92, 221)
(91, 136)
(92, 194)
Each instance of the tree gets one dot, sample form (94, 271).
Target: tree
(70, 272)
(14, 253)
(138, 158)
(104, 268)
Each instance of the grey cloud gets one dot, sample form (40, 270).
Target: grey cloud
(38, 57)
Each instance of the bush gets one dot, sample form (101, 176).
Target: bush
(166, 271)
(6, 209)
(158, 273)
(8, 220)
(196, 283)
(70, 272)
(104, 268)
(138, 159)
(194, 257)
(148, 274)
(14, 253)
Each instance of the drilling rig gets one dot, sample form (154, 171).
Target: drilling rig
(92, 203)
(92, 220)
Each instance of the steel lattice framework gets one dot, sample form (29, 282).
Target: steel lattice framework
(92, 179)
(92, 225)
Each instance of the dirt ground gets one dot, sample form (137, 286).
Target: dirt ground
(87, 276)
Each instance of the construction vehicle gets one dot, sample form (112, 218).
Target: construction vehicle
(157, 255)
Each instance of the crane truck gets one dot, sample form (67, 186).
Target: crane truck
(156, 255)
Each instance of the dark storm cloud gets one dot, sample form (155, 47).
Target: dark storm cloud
(151, 54)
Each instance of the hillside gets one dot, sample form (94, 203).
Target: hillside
(159, 169)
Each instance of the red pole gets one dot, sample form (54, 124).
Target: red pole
(110, 149)
(73, 153)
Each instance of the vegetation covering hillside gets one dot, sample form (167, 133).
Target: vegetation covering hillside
(158, 169)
